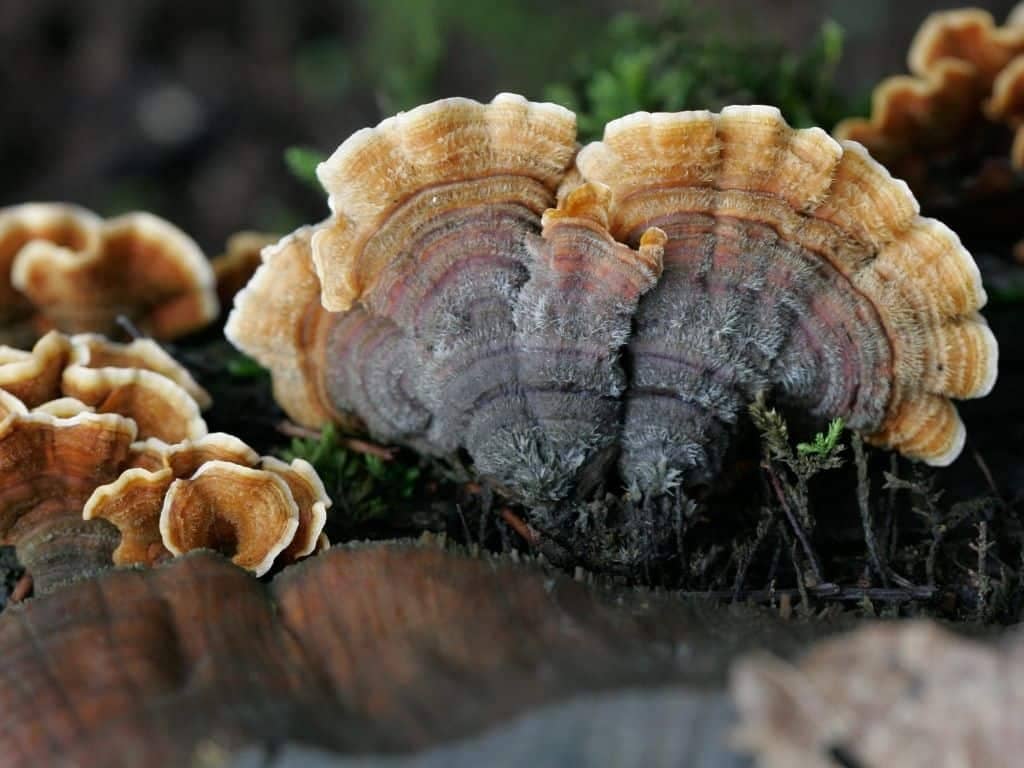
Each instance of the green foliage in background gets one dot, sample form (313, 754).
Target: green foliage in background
(688, 59)
(302, 162)
(409, 48)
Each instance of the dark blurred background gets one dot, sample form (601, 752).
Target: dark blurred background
(186, 108)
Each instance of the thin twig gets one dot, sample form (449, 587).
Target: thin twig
(987, 473)
(129, 327)
(22, 589)
(518, 525)
(798, 529)
(864, 502)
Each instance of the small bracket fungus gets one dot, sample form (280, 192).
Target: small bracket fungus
(95, 351)
(235, 267)
(34, 377)
(286, 333)
(67, 227)
(48, 468)
(312, 501)
(247, 514)
(137, 502)
(160, 407)
(80, 273)
(964, 69)
(89, 373)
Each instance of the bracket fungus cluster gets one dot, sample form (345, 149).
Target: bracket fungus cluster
(94, 431)
(213, 493)
(966, 81)
(86, 372)
(64, 267)
(484, 289)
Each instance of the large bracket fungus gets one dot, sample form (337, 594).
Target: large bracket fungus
(484, 290)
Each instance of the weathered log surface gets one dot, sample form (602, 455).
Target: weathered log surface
(382, 648)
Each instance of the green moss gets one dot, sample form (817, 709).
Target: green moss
(363, 486)
(685, 59)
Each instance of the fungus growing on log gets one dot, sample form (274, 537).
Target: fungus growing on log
(77, 272)
(67, 227)
(48, 468)
(240, 512)
(89, 373)
(482, 297)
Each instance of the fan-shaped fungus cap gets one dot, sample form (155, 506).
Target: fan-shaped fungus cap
(240, 260)
(279, 321)
(139, 266)
(95, 351)
(452, 154)
(312, 500)
(160, 407)
(48, 468)
(134, 501)
(67, 227)
(247, 514)
(963, 68)
(34, 377)
(902, 288)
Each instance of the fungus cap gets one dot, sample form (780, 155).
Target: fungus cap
(964, 68)
(34, 377)
(48, 468)
(240, 260)
(278, 320)
(159, 406)
(133, 503)
(95, 351)
(140, 266)
(312, 500)
(248, 514)
(64, 226)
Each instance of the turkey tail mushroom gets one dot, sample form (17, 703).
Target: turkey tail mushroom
(48, 468)
(476, 295)
(795, 265)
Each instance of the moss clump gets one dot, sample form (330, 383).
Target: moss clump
(685, 59)
(365, 486)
